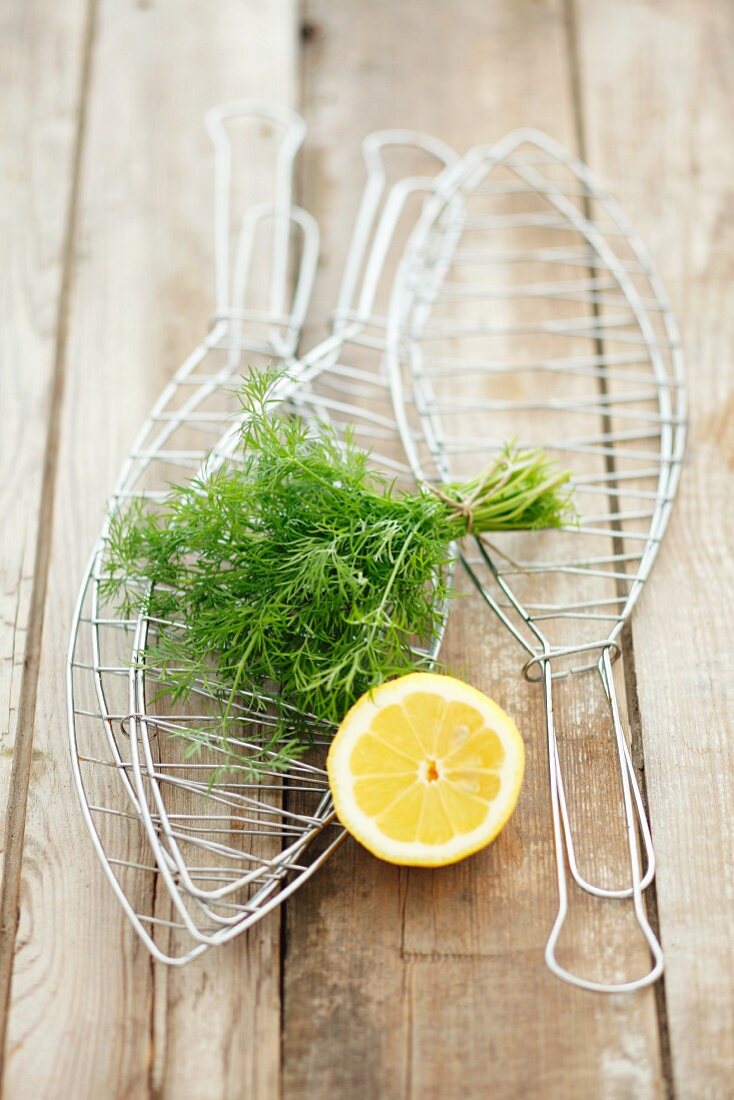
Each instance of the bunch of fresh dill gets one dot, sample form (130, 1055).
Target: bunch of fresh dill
(300, 573)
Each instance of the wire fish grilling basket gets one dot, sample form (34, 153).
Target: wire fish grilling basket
(194, 853)
(546, 321)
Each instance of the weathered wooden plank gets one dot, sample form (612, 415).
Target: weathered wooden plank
(91, 1015)
(42, 59)
(657, 93)
(42, 62)
(402, 983)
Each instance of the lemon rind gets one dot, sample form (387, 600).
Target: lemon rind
(416, 853)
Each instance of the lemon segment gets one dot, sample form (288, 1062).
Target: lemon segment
(425, 770)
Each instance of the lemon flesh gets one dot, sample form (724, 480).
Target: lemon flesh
(425, 770)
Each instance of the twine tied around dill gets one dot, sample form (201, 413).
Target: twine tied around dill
(465, 505)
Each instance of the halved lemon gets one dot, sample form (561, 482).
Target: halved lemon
(425, 770)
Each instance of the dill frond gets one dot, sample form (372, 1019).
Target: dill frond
(302, 574)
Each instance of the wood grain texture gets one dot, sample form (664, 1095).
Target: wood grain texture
(395, 983)
(658, 90)
(90, 1014)
(432, 984)
(43, 60)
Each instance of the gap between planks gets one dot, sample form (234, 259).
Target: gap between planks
(632, 705)
(23, 747)
(651, 897)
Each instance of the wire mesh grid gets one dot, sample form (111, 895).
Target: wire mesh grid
(196, 852)
(548, 324)
(523, 305)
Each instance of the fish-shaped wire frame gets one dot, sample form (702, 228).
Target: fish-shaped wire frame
(194, 854)
(547, 322)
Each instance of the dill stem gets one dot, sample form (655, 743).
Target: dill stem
(391, 581)
(303, 576)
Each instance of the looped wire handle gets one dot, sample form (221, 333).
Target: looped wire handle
(231, 277)
(373, 150)
(634, 814)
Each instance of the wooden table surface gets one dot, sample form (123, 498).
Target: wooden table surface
(376, 982)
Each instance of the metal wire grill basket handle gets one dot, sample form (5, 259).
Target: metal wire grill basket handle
(611, 360)
(194, 857)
